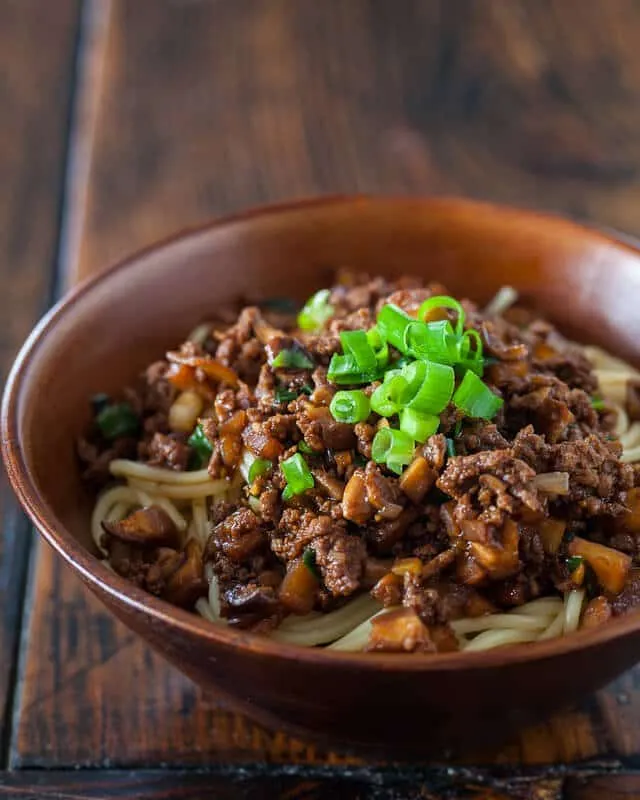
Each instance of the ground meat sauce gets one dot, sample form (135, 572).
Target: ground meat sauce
(470, 526)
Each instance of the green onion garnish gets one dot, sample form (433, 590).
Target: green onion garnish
(356, 345)
(344, 370)
(380, 347)
(443, 301)
(451, 447)
(392, 324)
(386, 398)
(597, 403)
(393, 448)
(303, 447)
(117, 420)
(471, 357)
(298, 476)
(475, 399)
(429, 386)
(573, 562)
(283, 395)
(309, 560)
(259, 467)
(316, 311)
(419, 426)
(292, 358)
(434, 341)
(201, 446)
(350, 406)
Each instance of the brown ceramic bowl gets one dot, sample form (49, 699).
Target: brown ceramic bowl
(103, 333)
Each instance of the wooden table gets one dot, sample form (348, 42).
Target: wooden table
(123, 121)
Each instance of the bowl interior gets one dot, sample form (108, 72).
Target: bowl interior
(111, 328)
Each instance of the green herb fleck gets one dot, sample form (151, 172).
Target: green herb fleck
(573, 562)
(292, 358)
(309, 560)
(117, 420)
(201, 448)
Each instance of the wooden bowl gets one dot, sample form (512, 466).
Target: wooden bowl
(104, 332)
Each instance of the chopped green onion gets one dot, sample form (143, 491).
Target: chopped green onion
(429, 386)
(393, 448)
(292, 358)
(303, 447)
(259, 467)
(350, 406)
(475, 399)
(117, 420)
(380, 347)
(451, 447)
(443, 301)
(316, 311)
(344, 370)
(309, 560)
(201, 446)
(356, 345)
(392, 324)
(419, 426)
(284, 395)
(573, 562)
(471, 358)
(597, 403)
(298, 476)
(434, 341)
(386, 398)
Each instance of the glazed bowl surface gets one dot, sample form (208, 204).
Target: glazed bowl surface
(103, 333)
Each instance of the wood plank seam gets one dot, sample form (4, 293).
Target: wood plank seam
(15, 521)
(94, 24)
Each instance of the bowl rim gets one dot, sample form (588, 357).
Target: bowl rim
(99, 577)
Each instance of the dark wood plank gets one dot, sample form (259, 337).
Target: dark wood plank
(611, 787)
(207, 107)
(256, 785)
(36, 59)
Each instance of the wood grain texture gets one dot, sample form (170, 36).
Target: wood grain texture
(205, 107)
(611, 787)
(182, 785)
(36, 61)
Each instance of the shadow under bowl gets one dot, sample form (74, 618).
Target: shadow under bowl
(102, 334)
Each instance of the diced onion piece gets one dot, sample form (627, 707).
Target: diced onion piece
(501, 301)
(551, 532)
(184, 411)
(610, 566)
(552, 482)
